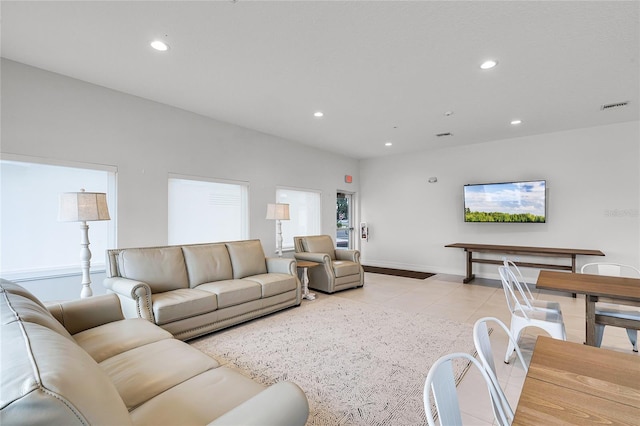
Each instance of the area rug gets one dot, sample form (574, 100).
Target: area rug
(397, 272)
(358, 364)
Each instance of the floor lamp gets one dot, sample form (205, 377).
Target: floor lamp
(83, 207)
(279, 212)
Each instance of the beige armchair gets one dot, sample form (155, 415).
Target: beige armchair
(338, 269)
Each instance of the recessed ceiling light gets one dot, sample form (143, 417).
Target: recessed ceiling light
(388, 144)
(514, 122)
(486, 65)
(318, 114)
(160, 45)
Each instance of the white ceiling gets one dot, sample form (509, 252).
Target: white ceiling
(380, 71)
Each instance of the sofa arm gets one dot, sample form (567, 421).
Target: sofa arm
(314, 257)
(135, 297)
(281, 265)
(352, 255)
(284, 403)
(83, 314)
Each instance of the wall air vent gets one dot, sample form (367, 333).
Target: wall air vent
(615, 105)
(444, 134)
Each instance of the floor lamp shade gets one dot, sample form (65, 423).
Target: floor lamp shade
(83, 207)
(279, 212)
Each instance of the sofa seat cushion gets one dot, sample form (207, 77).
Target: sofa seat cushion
(113, 338)
(319, 244)
(207, 396)
(184, 303)
(247, 258)
(146, 371)
(233, 292)
(273, 284)
(207, 263)
(343, 268)
(162, 268)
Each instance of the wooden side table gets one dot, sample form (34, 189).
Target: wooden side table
(305, 265)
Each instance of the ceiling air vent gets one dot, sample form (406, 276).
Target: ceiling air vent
(444, 134)
(615, 105)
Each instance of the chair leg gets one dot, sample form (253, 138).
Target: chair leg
(633, 338)
(511, 347)
(599, 333)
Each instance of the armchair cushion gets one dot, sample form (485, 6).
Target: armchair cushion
(342, 268)
(163, 269)
(319, 244)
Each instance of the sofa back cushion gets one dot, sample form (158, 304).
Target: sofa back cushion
(207, 263)
(23, 304)
(46, 377)
(162, 268)
(319, 244)
(247, 258)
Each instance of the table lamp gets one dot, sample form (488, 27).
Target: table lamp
(83, 207)
(279, 212)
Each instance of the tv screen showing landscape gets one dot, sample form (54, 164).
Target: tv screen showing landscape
(510, 202)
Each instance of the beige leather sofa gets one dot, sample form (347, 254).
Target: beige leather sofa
(338, 270)
(82, 363)
(191, 290)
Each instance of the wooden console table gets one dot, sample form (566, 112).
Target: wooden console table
(527, 251)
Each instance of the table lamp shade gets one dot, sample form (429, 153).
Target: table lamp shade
(83, 207)
(278, 211)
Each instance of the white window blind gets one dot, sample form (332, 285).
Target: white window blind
(34, 244)
(304, 213)
(202, 211)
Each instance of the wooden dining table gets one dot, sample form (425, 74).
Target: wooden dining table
(574, 384)
(619, 290)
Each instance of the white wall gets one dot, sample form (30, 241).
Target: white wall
(57, 117)
(590, 173)
(593, 199)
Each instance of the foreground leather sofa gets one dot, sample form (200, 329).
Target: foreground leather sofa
(338, 269)
(194, 289)
(82, 363)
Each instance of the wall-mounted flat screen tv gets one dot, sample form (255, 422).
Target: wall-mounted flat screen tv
(509, 202)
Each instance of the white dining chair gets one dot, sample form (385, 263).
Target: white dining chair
(441, 382)
(483, 347)
(611, 310)
(523, 316)
(525, 291)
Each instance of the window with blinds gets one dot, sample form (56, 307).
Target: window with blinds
(202, 211)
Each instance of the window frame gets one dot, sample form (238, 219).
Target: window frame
(98, 263)
(245, 202)
(287, 245)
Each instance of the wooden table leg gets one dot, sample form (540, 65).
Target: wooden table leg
(470, 275)
(590, 314)
(573, 269)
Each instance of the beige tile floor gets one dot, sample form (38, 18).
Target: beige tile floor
(446, 296)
